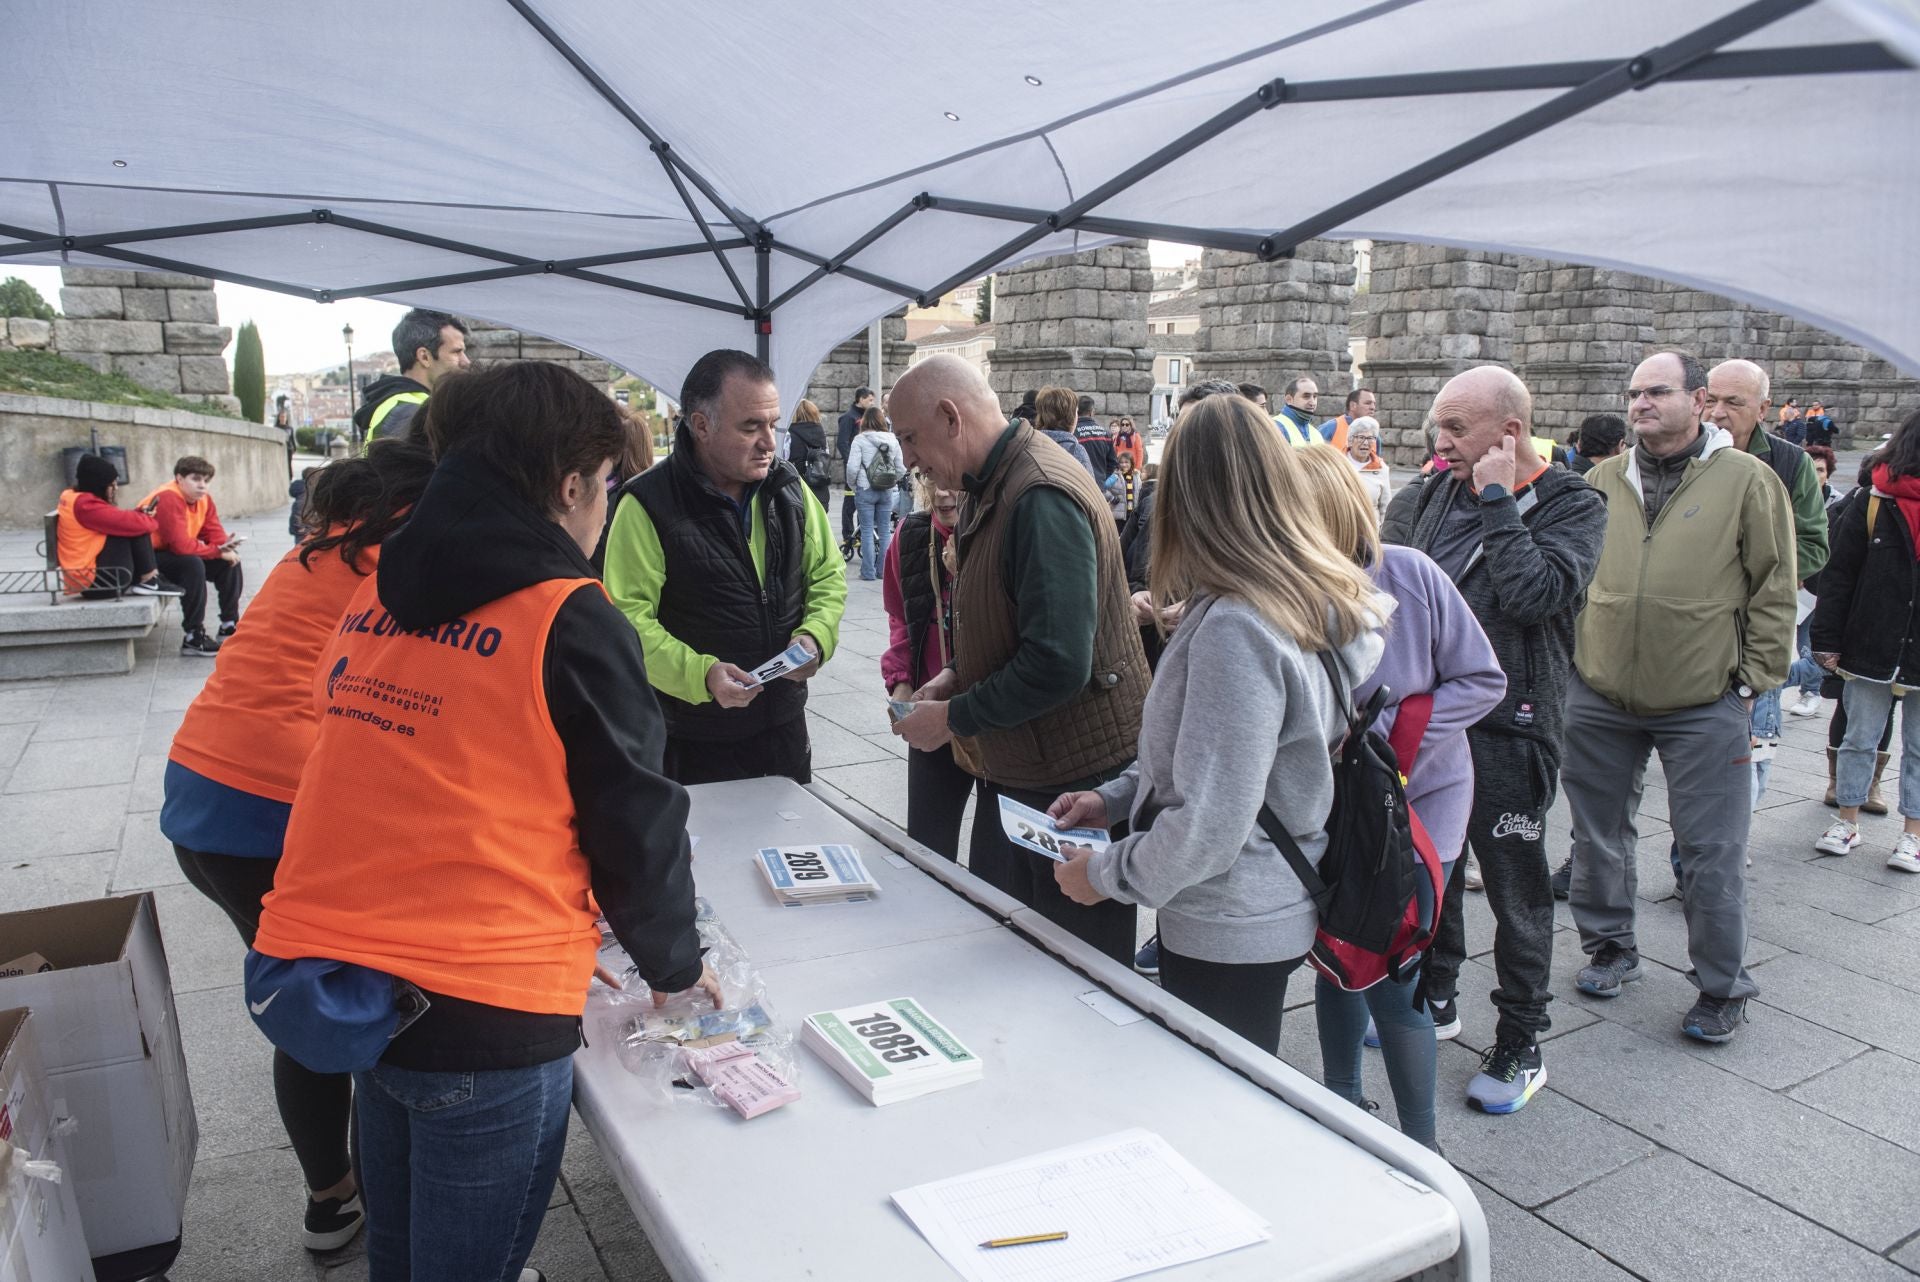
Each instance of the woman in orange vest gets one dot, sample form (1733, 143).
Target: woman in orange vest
(487, 766)
(92, 532)
(236, 760)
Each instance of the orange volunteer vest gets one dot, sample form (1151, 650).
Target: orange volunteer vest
(77, 548)
(1339, 438)
(253, 724)
(433, 834)
(196, 512)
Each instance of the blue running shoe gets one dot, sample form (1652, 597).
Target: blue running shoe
(1510, 1073)
(1373, 1035)
(1147, 960)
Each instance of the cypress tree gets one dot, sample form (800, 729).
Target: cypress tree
(250, 374)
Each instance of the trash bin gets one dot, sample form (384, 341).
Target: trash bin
(114, 454)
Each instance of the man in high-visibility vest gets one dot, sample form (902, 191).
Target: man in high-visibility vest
(1299, 412)
(427, 345)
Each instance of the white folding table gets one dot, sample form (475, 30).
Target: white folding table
(803, 1192)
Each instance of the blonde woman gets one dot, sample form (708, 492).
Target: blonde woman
(1242, 717)
(807, 448)
(1433, 646)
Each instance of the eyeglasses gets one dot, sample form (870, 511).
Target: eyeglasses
(1659, 393)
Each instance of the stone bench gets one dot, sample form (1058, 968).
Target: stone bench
(71, 639)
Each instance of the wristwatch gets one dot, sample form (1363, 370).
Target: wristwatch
(1493, 493)
(1744, 690)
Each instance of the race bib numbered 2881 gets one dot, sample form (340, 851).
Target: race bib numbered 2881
(1032, 830)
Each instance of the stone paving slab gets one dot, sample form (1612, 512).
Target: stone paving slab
(74, 763)
(1856, 1005)
(1854, 1182)
(1526, 1246)
(1875, 1091)
(1800, 928)
(1667, 1218)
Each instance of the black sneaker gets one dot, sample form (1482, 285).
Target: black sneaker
(156, 587)
(1563, 879)
(1446, 1019)
(1714, 1019)
(226, 630)
(333, 1222)
(199, 645)
(1147, 960)
(1611, 967)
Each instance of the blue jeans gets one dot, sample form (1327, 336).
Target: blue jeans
(456, 1169)
(1868, 705)
(875, 509)
(1805, 674)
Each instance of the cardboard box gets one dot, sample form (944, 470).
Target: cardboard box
(104, 1021)
(40, 1235)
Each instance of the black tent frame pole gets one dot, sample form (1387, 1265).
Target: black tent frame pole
(1248, 242)
(1635, 73)
(762, 285)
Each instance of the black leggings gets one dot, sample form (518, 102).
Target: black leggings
(1248, 997)
(937, 792)
(131, 554)
(316, 1108)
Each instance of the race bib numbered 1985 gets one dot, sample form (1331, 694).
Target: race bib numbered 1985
(1032, 830)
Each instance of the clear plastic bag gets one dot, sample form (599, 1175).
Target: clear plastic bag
(651, 1040)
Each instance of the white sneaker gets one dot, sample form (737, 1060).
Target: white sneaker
(1474, 880)
(1840, 839)
(1809, 705)
(1906, 853)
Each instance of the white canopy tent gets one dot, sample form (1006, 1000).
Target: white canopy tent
(650, 182)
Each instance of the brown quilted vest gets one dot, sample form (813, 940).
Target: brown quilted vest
(1097, 730)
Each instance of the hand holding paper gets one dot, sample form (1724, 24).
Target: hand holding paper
(1031, 830)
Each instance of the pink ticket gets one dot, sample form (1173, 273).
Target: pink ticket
(751, 1088)
(707, 1061)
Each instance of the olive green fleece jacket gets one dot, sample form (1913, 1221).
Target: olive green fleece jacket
(1678, 614)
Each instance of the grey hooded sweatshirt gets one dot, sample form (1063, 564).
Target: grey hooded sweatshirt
(1238, 715)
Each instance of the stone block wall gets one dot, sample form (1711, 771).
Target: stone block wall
(1079, 321)
(492, 345)
(1269, 323)
(1578, 333)
(847, 369)
(160, 329)
(1433, 311)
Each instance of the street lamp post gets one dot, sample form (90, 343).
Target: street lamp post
(346, 332)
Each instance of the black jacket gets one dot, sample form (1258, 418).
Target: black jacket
(398, 424)
(849, 428)
(1097, 441)
(919, 591)
(469, 542)
(1868, 591)
(714, 599)
(1529, 579)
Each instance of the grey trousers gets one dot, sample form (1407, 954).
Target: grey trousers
(1707, 757)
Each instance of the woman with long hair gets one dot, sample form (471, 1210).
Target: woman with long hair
(875, 464)
(487, 769)
(235, 764)
(1434, 646)
(807, 449)
(917, 589)
(1863, 631)
(1242, 717)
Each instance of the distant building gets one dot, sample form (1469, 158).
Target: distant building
(1173, 324)
(957, 308)
(971, 343)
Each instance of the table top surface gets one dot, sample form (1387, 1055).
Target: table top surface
(805, 1191)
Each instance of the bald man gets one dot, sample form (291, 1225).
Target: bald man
(1520, 539)
(1047, 677)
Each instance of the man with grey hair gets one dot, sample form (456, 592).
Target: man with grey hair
(1047, 678)
(1519, 538)
(1689, 617)
(1737, 403)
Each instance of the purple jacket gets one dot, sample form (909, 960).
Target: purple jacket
(1435, 644)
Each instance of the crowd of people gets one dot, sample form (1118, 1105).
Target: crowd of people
(507, 641)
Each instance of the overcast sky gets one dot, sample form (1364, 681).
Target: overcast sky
(299, 336)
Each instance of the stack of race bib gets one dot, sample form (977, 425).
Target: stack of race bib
(891, 1050)
(816, 874)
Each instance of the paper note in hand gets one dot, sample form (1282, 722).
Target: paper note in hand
(791, 659)
(899, 709)
(1031, 829)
